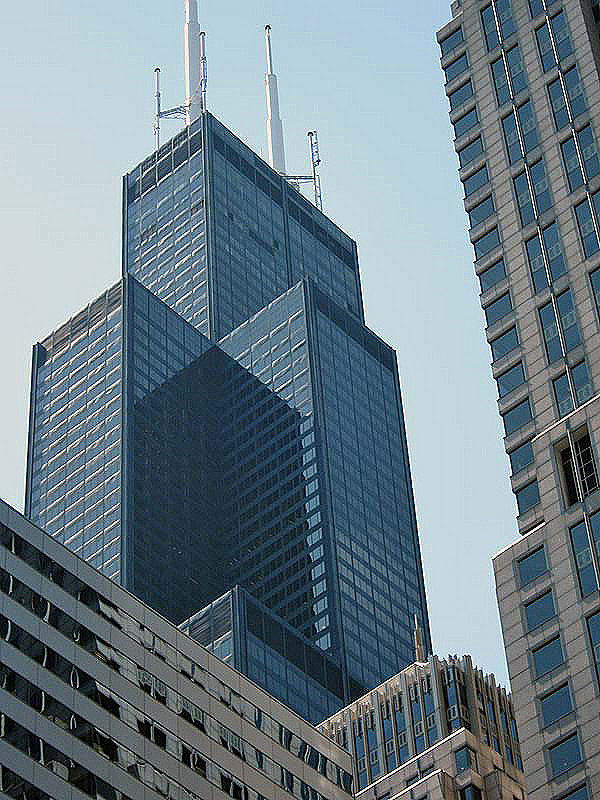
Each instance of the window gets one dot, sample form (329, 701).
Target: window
(587, 231)
(476, 180)
(465, 123)
(537, 265)
(559, 104)
(548, 656)
(562, 394)
(595, 282)
(575, 92)
(504, 344)
(528, 497)
(556, 704)
(527, 125)
(541, 190)
(565, 755)
(511, 379)
(550, 333)
(465, 759)
(500, 81)
(481, 211)
(470, 152)
(553, 249)
(460, 96)
(579, 794)
(511, 139)
(581, 383)
(562, 40)
(470, 793)
(498, 309)
(517, 417)
(535, 7)
(589, 153)
(486, 243)
(571, 162)
(451, 41)
(544, 43)
(492, 275)
(504, 13)
(456, 68)
(568, 320)
(521, 457)
(583, 559)
(593, 624)
(586, 470)
(539, 610)
(518, 77)
(524, 201)
(532, 566)
(490, 31)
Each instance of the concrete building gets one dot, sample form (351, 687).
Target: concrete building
(522, 79)
(101, 697)
(438, 729)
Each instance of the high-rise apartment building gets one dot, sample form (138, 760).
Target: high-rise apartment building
(440, 729)
(101, 697)
(224, 417)
(522, 79)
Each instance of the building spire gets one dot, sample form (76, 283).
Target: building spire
(274, 127)
(193, 72)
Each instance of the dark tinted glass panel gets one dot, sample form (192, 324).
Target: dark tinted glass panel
(527, 497)
(460, 95)
(511, 138)
(470, 152)
(581, 383)
(498, 309)
(524, 200)
(492, 275)
(568, 320)
(548, 657)
(595, 281)
(486, 244)
(541, 190)
(589, 240)
(554, 251)
(562, 40)
(575, 92)
(539, 610)
(517, 417)
(535, 7)
(589, 153)
(465, 123)
(583, 559)
(578, 794)
(565, 755)
(504, 344)
(500, 81)
(505, 19)
(556, 704)
(571, 162)
(510, 379)
(558, 103)
(518, 77)
(489, 27)
(562, 395)
(550, 333)
(452, 41)
(456, 68)
(528, 128)
(521, 457)
(481, 211)
(476, 180)
(536, 263)
(545, 47)
(532, 566)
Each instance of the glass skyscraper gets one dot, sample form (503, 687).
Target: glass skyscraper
(222, 416)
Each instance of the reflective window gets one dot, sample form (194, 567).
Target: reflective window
(498, 309)
(568, 320)
(481, 211)
(583, 559)
(532, 566)
(575, 93)
(562, 394)
(554, 252)
(504, 344)
(539, 610)
(595, 282)
(593, 623)
(589, 153)
(486, 243)
(476, 180)
(548, 656)
(517, 417)
(537, 265)
(581, 383)
(541, 189)
(579, 794)
(470, 152)
(465, 123)
(528, 497)
(562, 40)
(510, 379)
(524, 201)
(511, 138)
(550, 333)
(527, 125)
(587, 231)
(460, 96)
(451, 42)
(465, 759)
(490, 30)
(492, 275)
(571, 162)
(456, 68)
(521, 457)
(556, 704)
(559, 104)
(535, 7)
(505, 19)
(545, 48)
(518, 77)
(500, 81)
(564, 755)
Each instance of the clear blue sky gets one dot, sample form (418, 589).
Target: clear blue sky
(77, 109)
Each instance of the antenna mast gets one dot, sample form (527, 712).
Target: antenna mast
(315, 160)
(274, 126)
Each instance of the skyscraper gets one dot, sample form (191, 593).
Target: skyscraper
(222, 416)
(522, 79)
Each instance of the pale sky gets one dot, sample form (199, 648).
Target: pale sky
(77, 94)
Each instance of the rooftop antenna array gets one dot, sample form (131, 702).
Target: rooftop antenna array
(275, 145)
(196, 75)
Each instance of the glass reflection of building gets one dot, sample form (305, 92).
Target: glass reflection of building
(223, 416)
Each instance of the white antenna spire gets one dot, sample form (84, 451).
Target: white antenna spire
(274, 127)
(193, 62)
